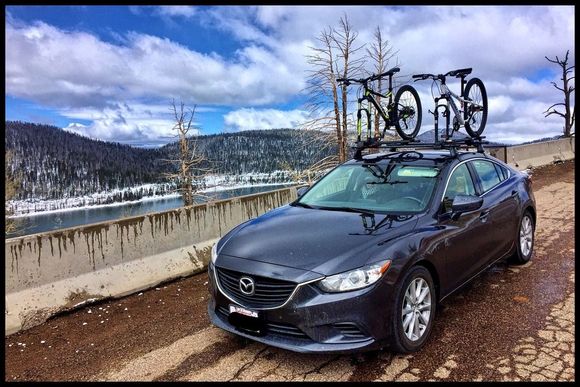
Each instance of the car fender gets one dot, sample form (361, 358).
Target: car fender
(418, 247)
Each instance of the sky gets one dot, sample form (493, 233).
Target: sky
(111, 72)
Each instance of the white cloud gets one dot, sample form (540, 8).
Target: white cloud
(61, 68)
(177, 10)
(248, 119)
(504, 45)
(126, 122)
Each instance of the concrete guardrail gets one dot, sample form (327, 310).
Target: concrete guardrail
(536, 154)
(50, 272)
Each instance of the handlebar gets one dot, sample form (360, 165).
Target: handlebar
(459, 73)
(373, 77)
(427, 76)
(348, 81)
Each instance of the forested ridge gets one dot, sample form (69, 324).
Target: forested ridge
(256, 151)
(52, 163)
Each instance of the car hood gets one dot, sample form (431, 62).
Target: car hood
(321, 241)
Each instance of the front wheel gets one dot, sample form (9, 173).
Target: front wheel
(407, 112)
(414, 311)
(475, 111)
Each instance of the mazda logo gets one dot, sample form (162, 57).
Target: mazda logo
(247, 286)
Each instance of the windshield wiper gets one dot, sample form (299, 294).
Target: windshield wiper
(349, 209)
(299, 204)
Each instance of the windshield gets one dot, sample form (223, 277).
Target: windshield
(394, 188)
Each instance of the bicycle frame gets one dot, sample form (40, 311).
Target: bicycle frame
(368, 96)
(450, 98)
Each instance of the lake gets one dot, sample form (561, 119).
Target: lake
(57, 220)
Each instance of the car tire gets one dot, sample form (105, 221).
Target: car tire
(401, 342)
(524, 240)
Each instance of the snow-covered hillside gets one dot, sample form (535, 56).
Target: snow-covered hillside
(210, 183)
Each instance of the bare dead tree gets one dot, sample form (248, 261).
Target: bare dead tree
(569, 111)
(332, 58)
(190, 159)
(350, 66)
(313, 172)
(379, 54)
(11, 184)
(322, 94)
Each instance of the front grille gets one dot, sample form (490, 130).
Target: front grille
(285, 330)
(269, 293)
(279, 329)
(223, 311)
(349, 330)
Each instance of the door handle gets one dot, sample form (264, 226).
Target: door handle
(515, 194)
(484, 215)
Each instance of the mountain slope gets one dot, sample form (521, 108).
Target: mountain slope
(53, 163)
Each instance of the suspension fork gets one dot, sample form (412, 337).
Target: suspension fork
(462, 105)
(358, 120)
(359, 128)
(445, 114)
(390, 89)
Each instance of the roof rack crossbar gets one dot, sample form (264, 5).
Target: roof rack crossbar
(451, 145)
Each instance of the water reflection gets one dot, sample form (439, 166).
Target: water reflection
(58, 220)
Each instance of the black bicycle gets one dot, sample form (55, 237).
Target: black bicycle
(403, 112)
(472, 110)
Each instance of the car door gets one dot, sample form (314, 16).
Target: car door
(462, 236)
(500, 202)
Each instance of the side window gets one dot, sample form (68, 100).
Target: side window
(499, 172)
(502, 172)
(460, 183)
(487, 174)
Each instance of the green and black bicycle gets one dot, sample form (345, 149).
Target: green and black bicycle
(403, 111)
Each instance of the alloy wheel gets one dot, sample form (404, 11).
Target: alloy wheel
(526, 235)
(416, 311)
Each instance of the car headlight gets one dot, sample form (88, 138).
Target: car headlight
(354, 279)
(214, 252)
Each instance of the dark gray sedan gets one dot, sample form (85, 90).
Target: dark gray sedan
(361, 259)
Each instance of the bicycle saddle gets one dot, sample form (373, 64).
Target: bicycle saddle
(459, 72)
(392, 71)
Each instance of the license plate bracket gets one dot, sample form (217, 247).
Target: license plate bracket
(246, 320)
(243, 311)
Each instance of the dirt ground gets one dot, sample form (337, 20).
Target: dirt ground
(511, 323)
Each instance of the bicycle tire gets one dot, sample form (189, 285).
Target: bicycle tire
(410, 132)
(475, 131)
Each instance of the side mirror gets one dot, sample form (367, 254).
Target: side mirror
(301, 191)
(465, 203)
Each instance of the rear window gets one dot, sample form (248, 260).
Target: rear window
(501, 171)
(488, 174)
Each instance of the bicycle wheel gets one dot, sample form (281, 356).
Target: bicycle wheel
(407, 112)
(475, 113)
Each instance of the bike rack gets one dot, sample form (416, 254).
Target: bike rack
(451, 145)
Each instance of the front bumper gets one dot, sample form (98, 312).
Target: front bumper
(313, 321)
